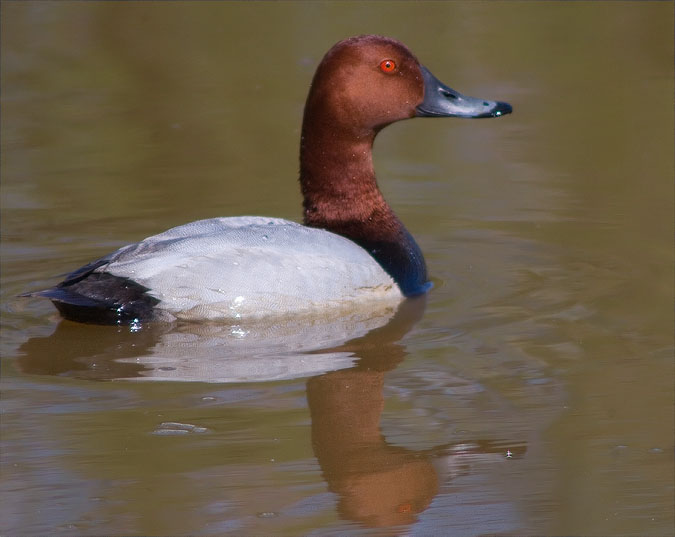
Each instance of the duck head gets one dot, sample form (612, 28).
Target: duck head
(367, 82)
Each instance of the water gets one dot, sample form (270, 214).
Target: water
(548, 234)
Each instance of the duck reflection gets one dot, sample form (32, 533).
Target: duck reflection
(265, 350)
(377, 484)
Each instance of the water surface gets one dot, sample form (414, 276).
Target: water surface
(530, 393)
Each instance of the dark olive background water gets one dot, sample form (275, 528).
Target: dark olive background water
(548, 233)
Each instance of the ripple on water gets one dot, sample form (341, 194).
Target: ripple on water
(174, 428)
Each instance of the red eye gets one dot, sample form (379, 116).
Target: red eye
(388, 66)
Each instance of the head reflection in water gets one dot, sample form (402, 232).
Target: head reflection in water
(377, 484)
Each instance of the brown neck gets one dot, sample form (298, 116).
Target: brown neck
(341, 195)
(336, 178)
(339, 188)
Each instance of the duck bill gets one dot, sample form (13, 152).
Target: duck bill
(442, 101)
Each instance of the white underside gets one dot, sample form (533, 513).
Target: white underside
(253, 267)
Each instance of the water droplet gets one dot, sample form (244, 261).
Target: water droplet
(239, 332)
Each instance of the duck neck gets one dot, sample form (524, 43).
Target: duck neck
(341, 195)
(338, 182)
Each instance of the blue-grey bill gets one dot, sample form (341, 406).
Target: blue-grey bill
(442, 101)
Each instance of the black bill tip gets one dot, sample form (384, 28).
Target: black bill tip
(501, 109)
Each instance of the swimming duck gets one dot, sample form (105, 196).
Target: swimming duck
(351, 249)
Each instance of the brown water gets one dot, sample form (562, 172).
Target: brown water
(531, 393)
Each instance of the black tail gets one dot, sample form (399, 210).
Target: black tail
(100, 298)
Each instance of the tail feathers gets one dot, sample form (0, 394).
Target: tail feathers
(64, 295)
(100, 298)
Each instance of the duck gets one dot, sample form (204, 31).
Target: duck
(351, 249)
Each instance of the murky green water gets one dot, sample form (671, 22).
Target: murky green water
(549, 235)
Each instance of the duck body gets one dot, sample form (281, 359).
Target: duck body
(352, 249)
(236, 268)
